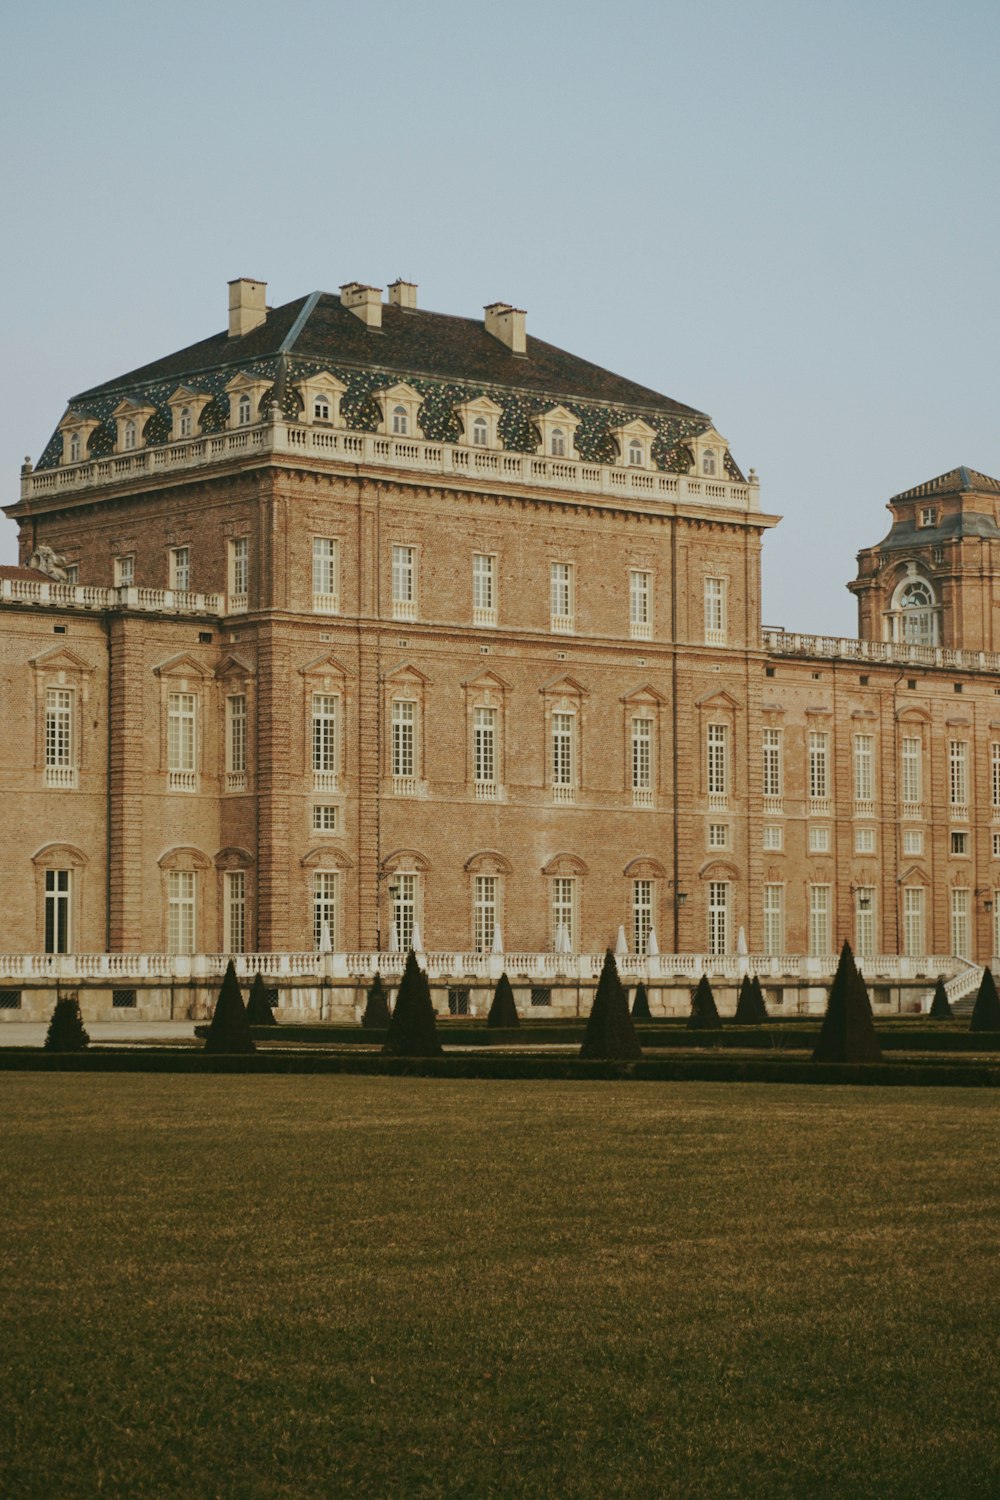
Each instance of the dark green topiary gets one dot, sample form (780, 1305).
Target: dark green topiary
(750, 1007)
(941, 1006)
(376, 1016)
(848, 1030)
(986, 1011)
(413, 1028)
(66, 1032)
(503, 1011)
(640, 1004)
(230, 1029)
(259, 1011)
(704, 1011)
(610, 1034)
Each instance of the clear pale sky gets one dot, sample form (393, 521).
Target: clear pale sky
(785, 214)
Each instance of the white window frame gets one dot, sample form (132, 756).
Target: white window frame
(643, 912)
(914, 907)
(911, 773)
(640, 610)
(641, 760)
(961, 924)
(563, 909)
(404, 892)
(182, 742)
(182, 911)
(58, 913)
(864, 769)
(716, 610)
(774, 919)
(772, 768)
(819, 765)
(236, 742)
(234, 902)
(60, 738)
(180, 569)
(864, 841)
(864, 921)
(404, 581)
(325, 722)
(485, 911)
(772, 837)
(562, 598)
(326, 907)
(125, 571)
(913, 841)
(325, 575)
(403, 748)
(819, 839)
(958, 775)
(820, 918)
(563, 754)
(485, 749)
(719, 916)
(325, 817)
(238, 574)
(717, 764)
(484, 592)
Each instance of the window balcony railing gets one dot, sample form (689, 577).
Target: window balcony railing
(562, 624)
(715, 637)
(563, 793)
(325, 781)
(642, 796)
(774, 804)
(404, 786)
(913, 811)
(487, 791)
(819, 807)
(182, 781)
(238, 604)
(236, 781)
(404, 609)
(995, 815)
(958, 812)
(864, 809)
(61, 776)
(640, 630)
(483, 616)
(718, 801)
(326, 604)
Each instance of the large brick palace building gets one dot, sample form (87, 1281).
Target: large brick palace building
(356, 624)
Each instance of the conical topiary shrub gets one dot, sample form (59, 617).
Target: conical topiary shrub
(66, 1032)
(503, 1011)
(376, 1016)
(640, 1004)
(230, 1029)
(848, 1030)
(750, 1007)
(704, 1011)
(986, 1011)
(610, 1034)
(413, 1028)
(259, 1012)
(941, 1006)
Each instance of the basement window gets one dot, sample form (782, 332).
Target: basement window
(10, 999)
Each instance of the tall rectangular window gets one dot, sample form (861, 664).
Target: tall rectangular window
(639, 604)
(326, 575)
(715, 611)
(484, 597)
(235, 908)
(325, 741)
(718, 916)
(774, 919)
(864, 767)
(995, 774)
(60, 760)
(563, 769)
(913, 921)
(772, 763)
(911, 771)
(484, 746)
(181, 744)
(403, 891)
(236, 742)
(960, 927)
(404, 582)
(819, 766)
(561, 596)
(125, 571)
(484, 911)
(642, 915)
(718, 760)
(181, 928)
(958, 773)
(564, 913)
(864, 921)
(239, 573)
(180, 568)
(820, 941)
(642, 762)
(58, 885)
(325, 883)
(404, 748)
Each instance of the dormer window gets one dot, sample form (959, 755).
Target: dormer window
(709, 463)
(321, 409)
(400, 421)
(928, 515)
(185, 422)
(74, 448)
(480, 433)
(128, 435)
(914, 615)
(243, 411)
(557, 443)
(635, 454)
(479, 422)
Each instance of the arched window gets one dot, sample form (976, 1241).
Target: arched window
(185, 425)
(128, 434)
(400, 421)
(243, 411)
(708, 462)
(321, 409)
(74, 448)
(558, 443)
(916, 604)
(636, 457)
(480, 433)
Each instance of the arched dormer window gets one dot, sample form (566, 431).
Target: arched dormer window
(185, 422)
(709, 463)
(128, 435)
(636, 456)
(400, 421)
(914, 612)
(74, 448)
(243, 411)
(557, 443)
(480, 433)
(321, 409)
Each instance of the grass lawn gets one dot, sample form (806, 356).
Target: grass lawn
(388, 1287)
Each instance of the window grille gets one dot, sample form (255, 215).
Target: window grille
(541, 995)
(123, 999)
(10, 999)
(458, 1000)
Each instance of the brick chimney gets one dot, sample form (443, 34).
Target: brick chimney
(365, 302)
(506, 323)
(403, 294)
(247, 307)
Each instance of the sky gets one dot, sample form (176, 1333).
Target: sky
(784, 214)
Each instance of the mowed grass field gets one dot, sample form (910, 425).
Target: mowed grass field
(257, 1287)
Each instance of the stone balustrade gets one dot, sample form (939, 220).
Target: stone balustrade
(88, 596)
(902, 653)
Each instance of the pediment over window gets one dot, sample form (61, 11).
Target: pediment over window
(184, 858)
(718, 869)
(233, 859)
(245, 392)
(634, 440)
(407, 673)
(718, 699)
(647, 696)
(486, 682)
(406, 861)
(400, 405)
(321, 396)
(480, 422)
(645, 868)
(130, 419)
(325, 858)
(234, 666)
(565, 864)
(914, 875)
(913, 716)
(564, 686)
(58, 856)
(488, 862)
(182, 665)
(77, 428)
(61, 659)
(186, 406)
(557, 432)
(708, 451)
(326, 665)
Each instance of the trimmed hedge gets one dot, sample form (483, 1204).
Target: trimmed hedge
(937, 1072)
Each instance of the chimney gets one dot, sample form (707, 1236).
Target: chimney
(403, 294)
(247, 308)
(365, 302)
(506, 323)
